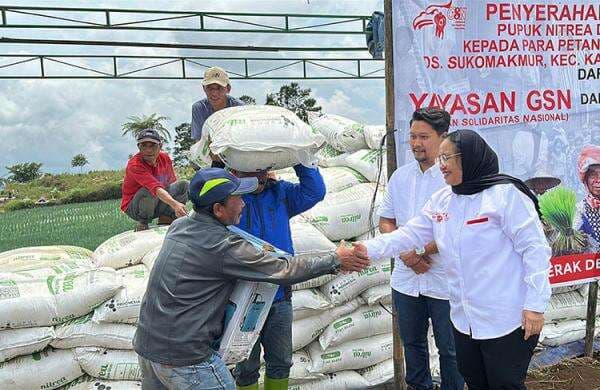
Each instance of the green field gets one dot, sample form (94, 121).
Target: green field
(81, 224)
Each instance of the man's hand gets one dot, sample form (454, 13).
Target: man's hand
(180, 209)
(532, 323)
(360, 250)
(419, 264)
(351, 259)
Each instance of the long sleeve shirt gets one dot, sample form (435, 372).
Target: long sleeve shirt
(407, 192)
(267, 215)
(494, 252)
(193, 276)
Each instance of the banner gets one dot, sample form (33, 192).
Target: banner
(526, 76)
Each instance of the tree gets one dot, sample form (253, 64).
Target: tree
(295, 99)
(136, 124)
(79, 160)
(23, 173)
(183, 143)
(249, 100)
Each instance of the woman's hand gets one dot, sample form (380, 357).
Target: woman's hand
(532, 323)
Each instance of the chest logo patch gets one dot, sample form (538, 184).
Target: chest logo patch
(439, 217)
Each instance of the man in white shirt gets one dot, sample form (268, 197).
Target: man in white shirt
(418, 282)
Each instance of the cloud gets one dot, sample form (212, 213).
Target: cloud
(50, 121)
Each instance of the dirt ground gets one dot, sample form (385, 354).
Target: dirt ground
(573, 374)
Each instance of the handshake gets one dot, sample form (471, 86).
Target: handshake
(354, 258)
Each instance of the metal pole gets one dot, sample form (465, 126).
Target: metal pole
(399, 373)
(590, 322)
(42, 72)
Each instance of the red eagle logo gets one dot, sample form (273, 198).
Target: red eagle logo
(433, 15)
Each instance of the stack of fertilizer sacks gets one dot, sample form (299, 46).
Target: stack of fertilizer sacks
(342, 329)
(69, 314)
(565, 316)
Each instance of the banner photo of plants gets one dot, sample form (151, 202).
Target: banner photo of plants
(573, 227)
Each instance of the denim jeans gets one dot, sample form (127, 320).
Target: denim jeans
(276, 339)
(209, 375)
(413, 321)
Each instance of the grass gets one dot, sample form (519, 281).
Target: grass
(81, 224)
(67, 188)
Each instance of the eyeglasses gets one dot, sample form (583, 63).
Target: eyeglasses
(442, 159)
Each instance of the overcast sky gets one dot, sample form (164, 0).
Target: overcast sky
(49, 121)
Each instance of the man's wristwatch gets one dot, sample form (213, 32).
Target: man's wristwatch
(420, 251)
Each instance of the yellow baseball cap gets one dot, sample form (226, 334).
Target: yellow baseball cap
(215, 75)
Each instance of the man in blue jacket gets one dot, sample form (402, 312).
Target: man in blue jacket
(267, 216)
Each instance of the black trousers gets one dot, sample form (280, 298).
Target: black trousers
(494, 364)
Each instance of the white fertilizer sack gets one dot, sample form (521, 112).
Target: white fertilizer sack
(352, 355)
(109, 364)
(379, 373)
(128, 248)
(124, 307)
(83, 332)
(374, 134)
(305, 330)
(347, 380)
(341, 133)
(344, 214)
(32, 301)
(49, 369)
(366, 321)
(309, 302)
(254, 138)
(348, 286)
(25, 341)
(40, 256)
(378, 294)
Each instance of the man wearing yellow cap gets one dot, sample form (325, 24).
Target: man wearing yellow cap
(217, 87)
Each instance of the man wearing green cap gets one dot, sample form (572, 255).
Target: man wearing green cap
(181, 315)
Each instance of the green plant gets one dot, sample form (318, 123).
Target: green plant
(295, 99)
(23, 173)
(248, 100)
(79, 160)
(136, 124)
(558, 210)
(19, 205)
(83, 224)
(183, 143)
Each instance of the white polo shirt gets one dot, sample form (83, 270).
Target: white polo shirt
(495, 253)
(407, 192)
